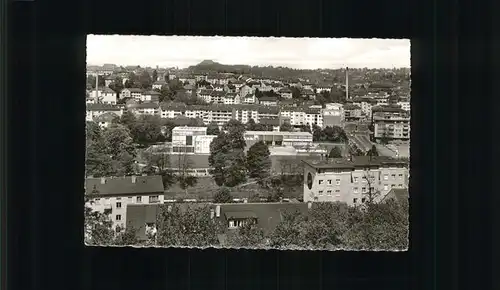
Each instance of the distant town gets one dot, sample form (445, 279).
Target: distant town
(220, 155)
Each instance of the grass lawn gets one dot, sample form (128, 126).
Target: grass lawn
(206, 188)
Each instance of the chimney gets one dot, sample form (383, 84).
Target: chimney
(103, 180)
(217, 211)
(133, 178)
(347, 83)
(96, 86)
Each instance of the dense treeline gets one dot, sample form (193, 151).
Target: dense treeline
(373, 226)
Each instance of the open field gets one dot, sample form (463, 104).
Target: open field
(206, 188)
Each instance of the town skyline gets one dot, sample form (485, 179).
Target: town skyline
(294, 53)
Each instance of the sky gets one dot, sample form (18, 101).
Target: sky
(298, 53)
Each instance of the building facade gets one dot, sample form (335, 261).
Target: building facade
(353, 181)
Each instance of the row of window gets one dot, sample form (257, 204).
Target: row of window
(328, 192)
(152, 199)
(355, 179)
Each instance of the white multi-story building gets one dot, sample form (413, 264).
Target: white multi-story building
(145, 109)
(111, 195)
(274, 138)
(405, 105)
(191, 140)
(108, 96)
(353, 181)
(95, 110)
(333, 115)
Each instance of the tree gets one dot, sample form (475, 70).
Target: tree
(117, 85)
(380, 226)
(213, 129)
(145, 80)
(372, 152)
(128, 119)
(251, 125)
(227, 157)
(117, 147)
(186, 225)
(159, 163)
(155, 75)
(223, 195)
(258, 162)
(385, 138)
(286, 127)
(98, 227)
(289, 232)
(184, 177)
(295, 93)
(125, 237)
(248, 235)
(335, 153)
(147, 130)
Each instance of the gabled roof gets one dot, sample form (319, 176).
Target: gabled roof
(133, 90)
(116, 186)
(356, 162)
(268, 99)
(151, 105)
(106, 117)
(217, 93)
(152, 93)
(307, 92)
(397, 194)
(102, 107)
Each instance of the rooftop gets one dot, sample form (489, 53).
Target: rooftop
(357, 161)
(124, 185)
(269, 133)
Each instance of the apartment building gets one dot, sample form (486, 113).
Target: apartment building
(111, 195)
(352, 112)
(405, 105)
(95, 110)
(105, 119)
(274, 138)
(268, 101)
(285, 93)
(333, 115)
(133, 93)
(232, 99)
(353, 180)
(300, 116)
(392, 123)
(108, 96)
(150, 96)
(145, 109)
(191, 140)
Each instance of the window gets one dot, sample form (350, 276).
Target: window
(401, 175)
(320, 181)
(386, 177)
(355, 190)
(320, 192)
(118, 217)
(118, 198)
(355, 180)
(393, 176)
(118, 205)
(354, 200)
(130, 198)
(153, 199)
(386, 187)
(329, 192)
(400, 185)
(363, 189)
(372, 189)
(363, 200)
(329, 181)
(338, 181)
(337, 190)
(139, 199)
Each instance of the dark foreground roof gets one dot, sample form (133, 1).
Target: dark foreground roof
(357, 161)
(124, 185)
(397, 194)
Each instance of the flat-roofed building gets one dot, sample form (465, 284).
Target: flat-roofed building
(391, 123)
(183, 138)
(274, 138)
(354, 180)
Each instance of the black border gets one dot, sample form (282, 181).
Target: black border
(46, 137)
